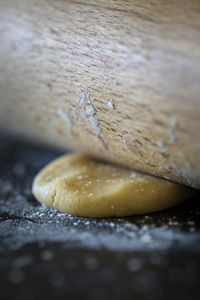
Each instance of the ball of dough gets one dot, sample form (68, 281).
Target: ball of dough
(82, 186)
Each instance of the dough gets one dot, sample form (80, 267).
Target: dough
(82, 186)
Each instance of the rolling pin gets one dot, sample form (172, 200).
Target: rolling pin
(118, 80)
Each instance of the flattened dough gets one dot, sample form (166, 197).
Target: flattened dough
(82, 186)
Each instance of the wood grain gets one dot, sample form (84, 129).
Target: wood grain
(115, 79)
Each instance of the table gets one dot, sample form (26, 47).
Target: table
(45, 253)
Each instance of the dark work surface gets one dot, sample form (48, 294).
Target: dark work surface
(45, 253)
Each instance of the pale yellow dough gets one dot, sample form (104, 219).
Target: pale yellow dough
(82, 186)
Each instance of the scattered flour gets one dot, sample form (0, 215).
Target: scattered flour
(161, 145)
(87, 111)
(63, 114)
(133, 174)
(110, 104)
(171, 131)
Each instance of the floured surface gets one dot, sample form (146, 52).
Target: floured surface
(82, 186)
(139, 257)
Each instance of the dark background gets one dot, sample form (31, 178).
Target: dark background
(45, 253)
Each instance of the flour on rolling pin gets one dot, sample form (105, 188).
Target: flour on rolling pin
(82, 186)
(126, 92)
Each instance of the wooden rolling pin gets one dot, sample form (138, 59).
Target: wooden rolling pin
(119, 80)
